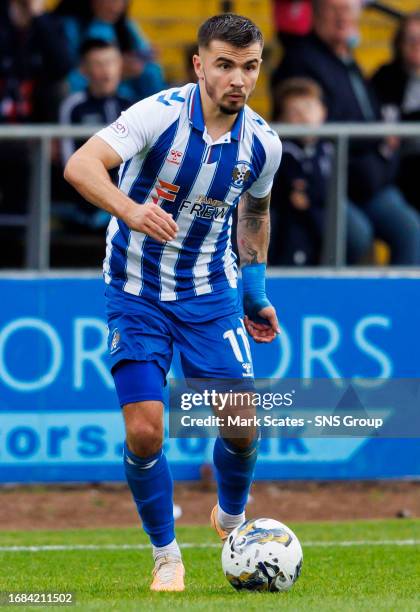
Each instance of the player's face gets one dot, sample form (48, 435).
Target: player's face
(229, 73)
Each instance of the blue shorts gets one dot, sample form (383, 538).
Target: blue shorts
(207, 330)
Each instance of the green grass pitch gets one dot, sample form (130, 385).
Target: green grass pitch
(378, 574)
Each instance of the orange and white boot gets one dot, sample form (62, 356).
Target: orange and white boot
(214, 521)
(168, 574)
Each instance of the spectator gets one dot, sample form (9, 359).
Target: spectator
(300, 187)
(326, 56)
(108, 20)
(33, 61)
(98, 104)
(397, 86)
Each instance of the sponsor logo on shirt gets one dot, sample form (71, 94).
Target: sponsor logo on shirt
(120, 128)
(202, 199)
(164, 191)
(204, 210)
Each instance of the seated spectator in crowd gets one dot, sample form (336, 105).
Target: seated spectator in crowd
(33, 62)
(98, 104)
(108, 20)
(397, 86)
(326, 56)
(300, 187)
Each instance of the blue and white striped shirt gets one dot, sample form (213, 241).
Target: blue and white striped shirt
(170, 159)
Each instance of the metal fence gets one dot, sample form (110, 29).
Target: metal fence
(37, 219)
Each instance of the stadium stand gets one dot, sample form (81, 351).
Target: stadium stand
(171, 28)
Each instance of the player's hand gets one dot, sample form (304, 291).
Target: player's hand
(152, 220)
(261, 332)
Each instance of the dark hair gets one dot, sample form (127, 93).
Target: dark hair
(400, 33)
(234, 29)
(72, 8)
(297, 87)
(93, 44)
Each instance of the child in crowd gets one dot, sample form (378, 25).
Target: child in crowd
(98, 104)
(300, 187)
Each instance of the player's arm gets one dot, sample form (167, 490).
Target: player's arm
(253, 229)
(87, 171)
(253, 236)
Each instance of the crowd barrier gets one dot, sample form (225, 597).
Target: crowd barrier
(37, 219)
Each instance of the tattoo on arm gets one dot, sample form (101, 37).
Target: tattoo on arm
(253, 224)
(253, 228)
(248, 254)
(254, 212)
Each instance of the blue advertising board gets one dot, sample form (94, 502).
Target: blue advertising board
(60, 419)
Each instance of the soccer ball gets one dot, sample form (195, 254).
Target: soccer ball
(262, 555)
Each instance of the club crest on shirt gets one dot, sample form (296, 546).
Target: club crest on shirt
(241, 173)
(115, 341)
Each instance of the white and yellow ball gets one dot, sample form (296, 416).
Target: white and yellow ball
(262, 555)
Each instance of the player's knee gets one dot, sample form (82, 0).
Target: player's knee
(144, 438)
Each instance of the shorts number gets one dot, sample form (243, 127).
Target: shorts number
(231, 337)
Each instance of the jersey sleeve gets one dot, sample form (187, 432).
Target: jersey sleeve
(134, 130)
(262, 186)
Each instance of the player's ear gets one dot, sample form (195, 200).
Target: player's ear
(198, 66)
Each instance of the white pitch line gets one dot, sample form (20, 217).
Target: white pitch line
(59, 547)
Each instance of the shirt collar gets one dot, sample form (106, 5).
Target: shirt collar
(195, 114)
(236, 131)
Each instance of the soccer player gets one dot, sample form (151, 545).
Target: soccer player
(187, 157)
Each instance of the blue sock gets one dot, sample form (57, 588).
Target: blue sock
(234, 474)
(151, 484)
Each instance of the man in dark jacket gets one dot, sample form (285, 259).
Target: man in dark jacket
(397, 85)
(326, 56)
